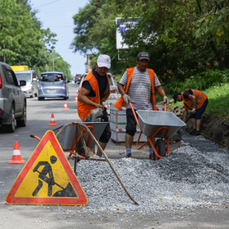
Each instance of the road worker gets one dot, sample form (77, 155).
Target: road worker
(96, 89)
(138, 86)
(196, 101)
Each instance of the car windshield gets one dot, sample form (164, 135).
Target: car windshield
(23, 76)
(51, 77)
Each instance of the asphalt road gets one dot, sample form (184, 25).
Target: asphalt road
(58, 217)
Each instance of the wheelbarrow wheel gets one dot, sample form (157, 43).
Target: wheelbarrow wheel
(160, 147)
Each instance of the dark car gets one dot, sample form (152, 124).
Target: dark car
(77, 76)
(79, 79)
(52, 85)
(12, 100)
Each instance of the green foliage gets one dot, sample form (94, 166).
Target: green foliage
(23, 41)
(207, 79)
(218, 100)
(95, 32)
(181, 36)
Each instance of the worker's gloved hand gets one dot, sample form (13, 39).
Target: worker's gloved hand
(126, 98)
(96, 113)
(165, 99)
(193, 111)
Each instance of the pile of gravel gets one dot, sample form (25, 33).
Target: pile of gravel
(197, 174)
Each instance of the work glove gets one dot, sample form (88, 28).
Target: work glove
(165, 99)
(96, 113)
(193, 111)
(126, 98)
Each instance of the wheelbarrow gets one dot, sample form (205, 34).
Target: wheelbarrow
(78, 139)
(159, 124)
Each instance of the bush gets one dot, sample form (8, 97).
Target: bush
(202, 81)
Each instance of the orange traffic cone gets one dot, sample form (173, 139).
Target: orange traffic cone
(76, 98)
(52, 122)
(65, 106)
(16, 158)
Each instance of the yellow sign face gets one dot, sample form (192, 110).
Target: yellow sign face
(54, 171)
(47, 178)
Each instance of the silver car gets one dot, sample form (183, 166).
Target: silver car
(12, 100)
(31, 87)
(52, 85)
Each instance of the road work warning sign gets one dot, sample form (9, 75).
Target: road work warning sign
(47, 178)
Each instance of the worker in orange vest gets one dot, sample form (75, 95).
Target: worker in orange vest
(94, 91)
(196, 101)
(138, 86)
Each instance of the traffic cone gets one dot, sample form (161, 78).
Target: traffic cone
(65, 106)
(76, 98)
(16, 158)
(52, 122)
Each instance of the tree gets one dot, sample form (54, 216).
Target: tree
(95, 32)
(190, 33)
(23, 41)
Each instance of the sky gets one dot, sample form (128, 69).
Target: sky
(57, 15)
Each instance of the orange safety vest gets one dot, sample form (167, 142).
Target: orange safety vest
(83, 109)
(130, 71)
(200, 99)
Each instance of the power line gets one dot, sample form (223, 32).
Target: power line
(48, 3)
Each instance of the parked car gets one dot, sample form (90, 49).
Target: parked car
(12, 100)
(77, 76)
(31, 87)
(52, 85)
(114, 94)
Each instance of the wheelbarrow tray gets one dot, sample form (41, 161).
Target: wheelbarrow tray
(150, 121)
(69, 134)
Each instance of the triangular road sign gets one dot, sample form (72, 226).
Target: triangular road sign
(47, 178)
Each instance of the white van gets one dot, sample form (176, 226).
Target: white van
(31, 87)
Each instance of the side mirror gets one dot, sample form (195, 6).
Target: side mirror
(22, 83)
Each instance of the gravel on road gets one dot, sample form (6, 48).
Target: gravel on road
(194, 175)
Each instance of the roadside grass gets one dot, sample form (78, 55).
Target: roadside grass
(218, 101)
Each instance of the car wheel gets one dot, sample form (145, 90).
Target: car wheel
(41, 98)
(22, 121)
(11, 127)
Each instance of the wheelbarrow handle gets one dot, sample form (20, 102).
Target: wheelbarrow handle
(134, 113)
(165, 107)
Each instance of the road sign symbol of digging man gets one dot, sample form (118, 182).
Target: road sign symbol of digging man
(46, 175)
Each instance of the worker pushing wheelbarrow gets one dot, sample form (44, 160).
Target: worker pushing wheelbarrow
(139, 85)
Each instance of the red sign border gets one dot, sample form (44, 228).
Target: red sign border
(80, 200)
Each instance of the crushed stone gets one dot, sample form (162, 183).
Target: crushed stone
(194, 175)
